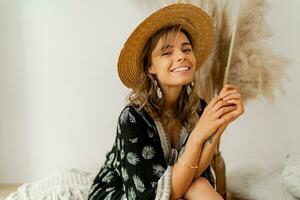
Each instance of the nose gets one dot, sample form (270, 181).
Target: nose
(180, 56)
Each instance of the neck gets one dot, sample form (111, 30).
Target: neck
(171, 96)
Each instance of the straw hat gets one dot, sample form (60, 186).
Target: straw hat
(193, 19)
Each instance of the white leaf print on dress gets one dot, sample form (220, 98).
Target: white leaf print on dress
(131, 118)
(131, 194)
(109, 189)
(134, 140)
(124, 174)
(153, 184)
(116, 163)
(148, 152)
(118, 144)
(93, 187)
(108, 197)
(124, 115)
(118, 172)
(122, 154)
(103, 171)
(119, 129)
(95, 193)
(108, 177)
(127, 115)
(110, 158)
(132, 158)
(139, 185)
(158, 170)
(123, 197)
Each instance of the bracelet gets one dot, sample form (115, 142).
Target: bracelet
(185, 165)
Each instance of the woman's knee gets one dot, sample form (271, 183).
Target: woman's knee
(201, 181)
(201, 189)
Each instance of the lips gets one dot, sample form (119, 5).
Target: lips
(181, 68)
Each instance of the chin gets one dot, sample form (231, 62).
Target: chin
(184, 82)
(179, 81)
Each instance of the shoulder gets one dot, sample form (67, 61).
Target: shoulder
(132, 115)
(134, 123)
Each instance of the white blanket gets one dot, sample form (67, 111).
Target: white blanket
(291, 177)
(265, 180)
(259, 180)
(71, 184)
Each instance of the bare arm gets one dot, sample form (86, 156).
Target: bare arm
(208, 151)
(209, 122)
(183, 176)
(231, 96)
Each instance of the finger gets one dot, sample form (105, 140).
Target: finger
(222, 91)
(227, 87)
(235, 101)
(239, 104)
(229, 117)
(229, 92)
(213, 102)
(232, 115)
(224, 110)
(221, 121)
(232, 96)
(219, 105)
(231, 86)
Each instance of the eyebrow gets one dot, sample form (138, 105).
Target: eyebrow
(168, 46)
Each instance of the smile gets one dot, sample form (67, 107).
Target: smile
(181, 69)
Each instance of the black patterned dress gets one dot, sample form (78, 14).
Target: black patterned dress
(139, 166)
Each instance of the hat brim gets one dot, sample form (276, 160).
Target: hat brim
(193, 19)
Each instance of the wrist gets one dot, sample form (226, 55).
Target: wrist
(197, 138)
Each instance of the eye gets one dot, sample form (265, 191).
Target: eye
(166, 53)
(187, 50)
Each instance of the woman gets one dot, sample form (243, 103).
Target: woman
(166, 135)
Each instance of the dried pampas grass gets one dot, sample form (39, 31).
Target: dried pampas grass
(211, 75)
(255, 69)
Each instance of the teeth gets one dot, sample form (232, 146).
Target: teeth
(180, 69)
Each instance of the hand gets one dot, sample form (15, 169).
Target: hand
(231, 94)
(211, 118)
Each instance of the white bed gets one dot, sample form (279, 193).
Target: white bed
(256, 180)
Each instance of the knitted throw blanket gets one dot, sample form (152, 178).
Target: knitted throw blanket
(71, 184)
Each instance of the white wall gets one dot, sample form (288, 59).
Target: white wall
(270, 132)
(60, 95)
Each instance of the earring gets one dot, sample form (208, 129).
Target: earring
(158, 90)
(193, 83)
(190, 87)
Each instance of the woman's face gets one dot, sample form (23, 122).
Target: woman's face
(174, 62)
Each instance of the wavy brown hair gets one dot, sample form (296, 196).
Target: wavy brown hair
(145, 96)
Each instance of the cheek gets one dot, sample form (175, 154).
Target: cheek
(163, 65)
(193, 59)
